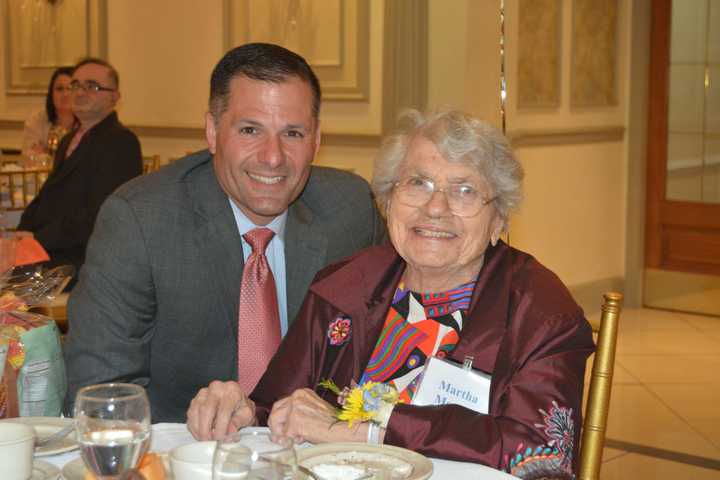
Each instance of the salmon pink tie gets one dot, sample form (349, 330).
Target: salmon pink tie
(258, 317)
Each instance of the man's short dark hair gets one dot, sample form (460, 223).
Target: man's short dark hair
(114, 77)
(259, 61)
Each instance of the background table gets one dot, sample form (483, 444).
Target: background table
(166, 436)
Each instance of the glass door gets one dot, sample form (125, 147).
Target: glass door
(683, 207)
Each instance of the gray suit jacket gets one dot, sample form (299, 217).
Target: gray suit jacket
(157, 300)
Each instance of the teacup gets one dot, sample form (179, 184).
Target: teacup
(193, 461)
(17, 442)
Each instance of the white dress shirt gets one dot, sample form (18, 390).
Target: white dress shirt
(275, 253)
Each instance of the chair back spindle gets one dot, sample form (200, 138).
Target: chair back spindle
(19, 187)
(151, 163)
(598, 401)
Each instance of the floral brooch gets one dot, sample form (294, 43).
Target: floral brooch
(370, 402)
(339, 331)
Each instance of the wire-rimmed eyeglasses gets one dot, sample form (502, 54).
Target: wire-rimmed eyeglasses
(89, 86)
(464, 200)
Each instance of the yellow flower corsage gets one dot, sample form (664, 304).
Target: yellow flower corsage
(370, 402)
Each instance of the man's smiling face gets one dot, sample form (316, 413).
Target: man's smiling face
(263, 144)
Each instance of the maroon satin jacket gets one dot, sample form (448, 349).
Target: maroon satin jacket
(523, 328)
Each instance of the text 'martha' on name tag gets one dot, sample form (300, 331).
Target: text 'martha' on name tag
(445, 382)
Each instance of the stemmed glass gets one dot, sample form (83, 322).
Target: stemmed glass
(113, 427)
(255, 455)
(7, 254)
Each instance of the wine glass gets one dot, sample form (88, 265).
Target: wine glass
(8, 245)
(113, 427)
(255, 455)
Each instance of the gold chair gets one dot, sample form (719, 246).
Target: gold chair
(19, 187)
(151, 163)
(598, 401)
(10, 160)
(174, 159)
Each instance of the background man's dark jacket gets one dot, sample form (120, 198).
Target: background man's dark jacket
(63, 213)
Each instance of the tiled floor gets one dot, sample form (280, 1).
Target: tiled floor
(666, 396)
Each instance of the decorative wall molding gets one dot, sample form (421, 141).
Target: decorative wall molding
(190, 133)
(11, 124)
(565, 136)
(195, 133)
(351, 140)
(539, 53)
(518, 138)
(52, 35)
(328, 139)
(594, 61)
(405, 70)
(589, 294)
(332, 35)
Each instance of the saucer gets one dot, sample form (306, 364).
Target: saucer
(44, 471)
(46, 426)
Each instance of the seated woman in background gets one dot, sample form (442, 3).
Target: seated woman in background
(44, 128)
(447, 287)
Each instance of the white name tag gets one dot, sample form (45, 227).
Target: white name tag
(445, 382)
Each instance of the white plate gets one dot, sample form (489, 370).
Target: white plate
(44, 471)
(46, 426)
(363, 454)
(75, 470)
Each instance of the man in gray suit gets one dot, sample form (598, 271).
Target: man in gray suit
(157, 301)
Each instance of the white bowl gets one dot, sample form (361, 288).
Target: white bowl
(193, 461)
(16, 450)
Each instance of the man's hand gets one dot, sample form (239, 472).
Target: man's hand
(305, 416)
(219, 409)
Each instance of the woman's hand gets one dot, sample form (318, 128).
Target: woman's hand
(304, 416)
(219, 409)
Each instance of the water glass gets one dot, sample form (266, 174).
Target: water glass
(255, 455)
(113, 427)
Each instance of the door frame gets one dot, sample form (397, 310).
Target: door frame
(679, 235)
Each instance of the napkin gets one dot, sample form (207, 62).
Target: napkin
(28, 251)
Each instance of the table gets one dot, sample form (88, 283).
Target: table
(166, 436)
(57, 310)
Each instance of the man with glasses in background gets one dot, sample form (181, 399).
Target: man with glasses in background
(90, 163)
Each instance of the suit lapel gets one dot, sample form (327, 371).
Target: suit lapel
(370, 325)
(483, 334)
(65, 166)
(347, 289)
(62, 148)
(305, 254)
(217, 238)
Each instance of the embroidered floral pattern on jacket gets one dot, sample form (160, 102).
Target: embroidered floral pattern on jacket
(552, 460)
(560, 429)
(542, 463)
(339, 331)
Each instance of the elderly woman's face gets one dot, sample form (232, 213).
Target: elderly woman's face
(431, 238)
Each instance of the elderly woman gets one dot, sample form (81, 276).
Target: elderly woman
(447, 287)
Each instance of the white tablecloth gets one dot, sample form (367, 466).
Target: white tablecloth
(166, 436)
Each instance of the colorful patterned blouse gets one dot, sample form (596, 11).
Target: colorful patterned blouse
(417, 326)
